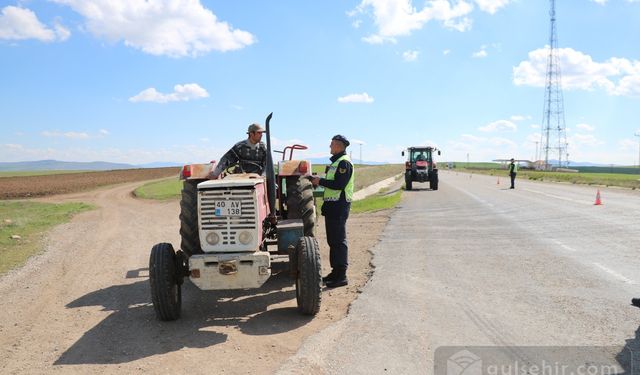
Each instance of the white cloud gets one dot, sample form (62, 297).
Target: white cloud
(580, 72)
(480, 54)
(395, 18)
(356, 98)
(69, 135)
(186, 92)
(585, 127)
(103, 132)
(446, 52)
(628, 144)
(601, 2)
(175, 28)
(491, 6)
(410, 55)
(20, 23)
(535, 126)
(500, 125)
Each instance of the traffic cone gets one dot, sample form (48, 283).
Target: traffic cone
(598, 201)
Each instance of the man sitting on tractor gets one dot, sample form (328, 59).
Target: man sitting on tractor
(250, 154)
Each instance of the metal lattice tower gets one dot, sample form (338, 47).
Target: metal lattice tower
(554, 132)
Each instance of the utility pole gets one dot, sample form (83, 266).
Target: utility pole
(360, 153)
(638, 135)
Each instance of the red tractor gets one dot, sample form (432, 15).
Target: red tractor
(232, 226)
(420, 167)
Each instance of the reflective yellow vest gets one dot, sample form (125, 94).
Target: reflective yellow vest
(334, 195)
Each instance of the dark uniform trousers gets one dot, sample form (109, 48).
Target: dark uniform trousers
(336, 229)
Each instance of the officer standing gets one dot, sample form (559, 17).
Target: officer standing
(513, 170)
(338, 192)
(250, 154)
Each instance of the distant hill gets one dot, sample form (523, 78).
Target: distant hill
(55, 165)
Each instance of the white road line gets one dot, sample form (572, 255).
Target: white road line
(557, 196)
(564, 246)
(614, 274)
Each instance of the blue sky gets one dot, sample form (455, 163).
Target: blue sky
(180, 80)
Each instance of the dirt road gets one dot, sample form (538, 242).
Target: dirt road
(84, 305)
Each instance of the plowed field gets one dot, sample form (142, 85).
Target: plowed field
(38, 186)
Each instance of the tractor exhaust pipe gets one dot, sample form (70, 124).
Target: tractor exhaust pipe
(271, 177)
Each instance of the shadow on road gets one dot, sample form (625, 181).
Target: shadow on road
(629, 356)
(132, 331)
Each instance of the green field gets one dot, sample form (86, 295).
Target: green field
(626, 180)
(365, 176)
(160, 190)
(29, 220)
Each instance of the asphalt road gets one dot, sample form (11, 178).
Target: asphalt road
(477, 264)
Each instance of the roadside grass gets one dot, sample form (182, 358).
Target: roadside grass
(37, 173)
(160, 190)
(30, 221)
(602, 179)
(376, 202)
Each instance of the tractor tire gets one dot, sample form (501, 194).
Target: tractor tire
(190, 243)
(433, 181)
(300, 203)
(309, 277)
(408, 181)
(166, 290)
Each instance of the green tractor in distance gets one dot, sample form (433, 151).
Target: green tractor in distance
(420, 167)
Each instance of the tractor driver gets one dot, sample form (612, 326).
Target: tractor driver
(421, 157)
(249, 154)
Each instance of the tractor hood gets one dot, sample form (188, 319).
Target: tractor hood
(249, 179)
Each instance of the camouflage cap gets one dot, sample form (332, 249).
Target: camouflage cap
(255, 128)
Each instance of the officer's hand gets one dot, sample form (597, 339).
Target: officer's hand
(315, 181)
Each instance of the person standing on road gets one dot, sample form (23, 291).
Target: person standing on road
(250, 154)
(513, 170)
(338, 186)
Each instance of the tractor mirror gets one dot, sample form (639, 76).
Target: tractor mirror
(438, 152)
(402, 153)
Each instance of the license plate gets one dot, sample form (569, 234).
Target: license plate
(228, 208)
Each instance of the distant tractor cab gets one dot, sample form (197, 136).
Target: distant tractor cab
(420, 167)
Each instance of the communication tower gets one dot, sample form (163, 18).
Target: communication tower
(554, 132)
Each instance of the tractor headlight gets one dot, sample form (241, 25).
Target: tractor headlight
(245, 237)
(213, 238)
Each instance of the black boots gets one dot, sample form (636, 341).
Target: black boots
(337, 278)
(635, 302)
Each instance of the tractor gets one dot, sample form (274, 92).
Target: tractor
(232, 226)
(420, 167)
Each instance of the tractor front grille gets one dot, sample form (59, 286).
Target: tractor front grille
(228, 226)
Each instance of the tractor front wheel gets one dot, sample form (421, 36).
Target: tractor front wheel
(166, 291)
(309, 276)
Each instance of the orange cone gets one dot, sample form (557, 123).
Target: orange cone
(598, 201)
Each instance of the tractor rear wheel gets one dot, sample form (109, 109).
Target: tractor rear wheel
(166, 291)
(190, 243)
(300, 204)
(309, 277)
(408, 181)
(433, 181)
